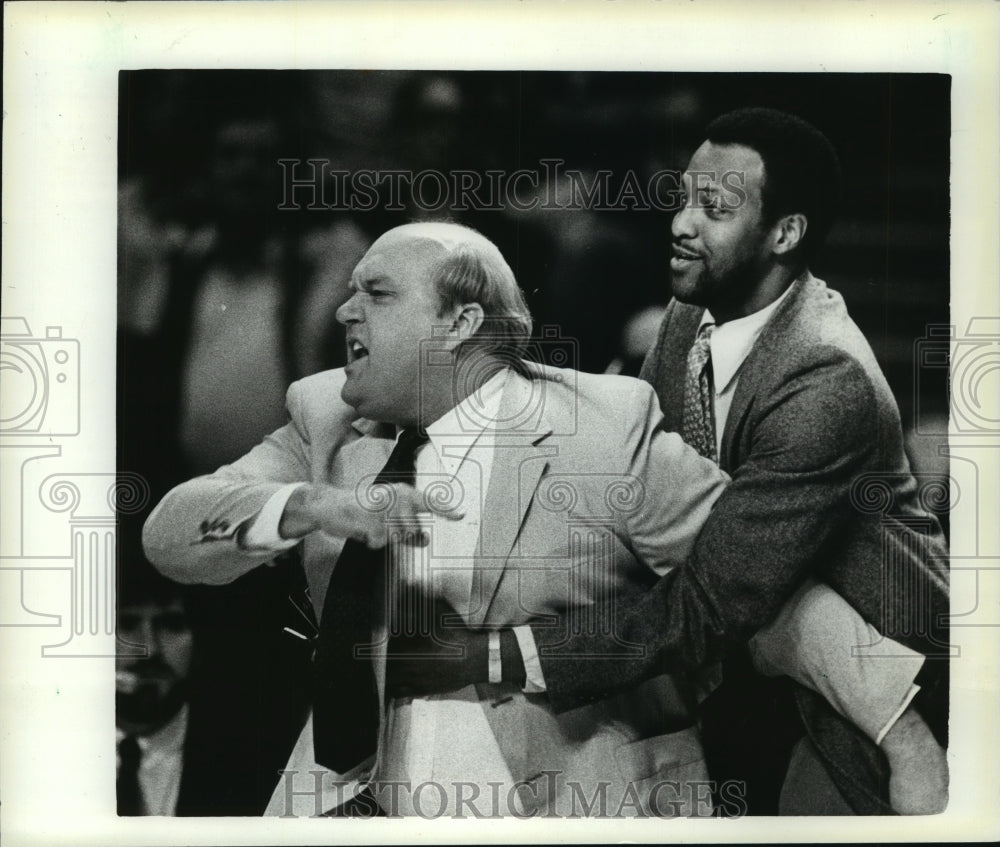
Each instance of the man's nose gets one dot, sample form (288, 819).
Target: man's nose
(682, 225)
(349, 312)
(149, 637)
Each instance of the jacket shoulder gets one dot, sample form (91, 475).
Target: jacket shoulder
(588, 388)
(315, 402)
(611, 389)
(812, 343)
(814, 328)
(818, 316)
(610, 410)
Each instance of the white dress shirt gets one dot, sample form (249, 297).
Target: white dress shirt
(161, 764)
(730, 344)
(444, 739)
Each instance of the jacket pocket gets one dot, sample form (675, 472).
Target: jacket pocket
(666, 775)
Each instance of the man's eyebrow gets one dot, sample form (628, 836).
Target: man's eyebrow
(697, 180)
(363, 283)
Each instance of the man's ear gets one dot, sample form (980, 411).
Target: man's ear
(468, 318)
(788, 233)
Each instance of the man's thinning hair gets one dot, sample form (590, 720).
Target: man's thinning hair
(801, 169)
(475, 271)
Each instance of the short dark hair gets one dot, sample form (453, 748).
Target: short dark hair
(801, 169)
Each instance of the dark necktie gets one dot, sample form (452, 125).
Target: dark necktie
(129, 792)
(698, 426)
(346, 707)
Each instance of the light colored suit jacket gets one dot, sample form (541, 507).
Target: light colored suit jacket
(567, 526)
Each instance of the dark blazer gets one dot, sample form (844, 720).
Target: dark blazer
(821, 486)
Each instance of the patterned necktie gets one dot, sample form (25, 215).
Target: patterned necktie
(345, 706)
(129, 792)
(698, 427)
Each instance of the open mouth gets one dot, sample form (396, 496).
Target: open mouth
(682, 259)
(356, 350)
(683, 254)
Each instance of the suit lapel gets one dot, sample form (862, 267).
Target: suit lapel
(672, 352)
(364, 457)
(519, 460)
(758, 364)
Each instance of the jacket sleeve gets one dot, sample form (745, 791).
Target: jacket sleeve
(769, 529)
(668, 489)
(193, 535)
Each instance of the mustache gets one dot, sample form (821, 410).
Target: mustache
(149, 705)
(142, 673)
(153, 666)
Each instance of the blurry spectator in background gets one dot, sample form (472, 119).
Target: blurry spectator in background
(224, 300)
(234, 285)
(151, 692)
(446, 123)
(238, 290)
(213, 278)
(431, 125)
(589, 267)
(147, 238)
(252, 302)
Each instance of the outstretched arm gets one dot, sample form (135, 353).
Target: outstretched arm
(207, 530)
(195, 533)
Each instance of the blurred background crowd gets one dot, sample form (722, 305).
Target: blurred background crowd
(225, 297)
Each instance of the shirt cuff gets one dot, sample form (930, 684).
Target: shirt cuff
(897, 714)
(534, 682)
(262, 532)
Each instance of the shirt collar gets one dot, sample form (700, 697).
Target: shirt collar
(459, 428)
(170, 736)
(732, 341)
